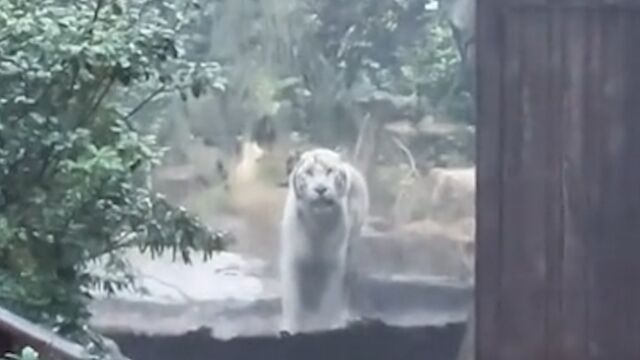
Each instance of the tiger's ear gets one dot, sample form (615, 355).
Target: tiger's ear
(298, 185)
(295, 181)
(341, 151)
(342, 182)
(292, 160)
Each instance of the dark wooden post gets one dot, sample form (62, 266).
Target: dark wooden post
(558, 270)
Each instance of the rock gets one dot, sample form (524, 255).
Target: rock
(402, 301)
(231, 296)
(444, 195)
(379, 224)
(435, 227)
(404, 129)
(451, 194)
(428, 127)
(425, 248)
(225, 276)
(180, 297)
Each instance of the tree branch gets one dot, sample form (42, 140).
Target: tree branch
(181, 292)
(407, 152)
(118, 245)
(100, 97)
(144, 102)
(97, 10)
(11, 61)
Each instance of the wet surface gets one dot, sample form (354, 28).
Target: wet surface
(402, 302)
(229, 309)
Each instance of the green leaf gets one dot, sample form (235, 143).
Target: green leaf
(75, 158)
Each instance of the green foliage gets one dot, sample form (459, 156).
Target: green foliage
(393, 49)
(74, 163)
(312, 61)
(401, 46)
(434, 69)
(27, 353)
(368, 36)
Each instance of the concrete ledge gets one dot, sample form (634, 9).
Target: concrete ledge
(395, 301)
(367, 342)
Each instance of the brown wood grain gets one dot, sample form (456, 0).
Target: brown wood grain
(571, 316)
(558, 200)
(489, 92)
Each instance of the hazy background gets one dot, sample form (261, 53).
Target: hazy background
(386, 82)
(382, 80)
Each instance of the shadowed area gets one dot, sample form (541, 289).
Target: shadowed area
(367, 342)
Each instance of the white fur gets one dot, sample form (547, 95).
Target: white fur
(317, 235)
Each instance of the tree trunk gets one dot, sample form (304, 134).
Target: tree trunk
(365, 151)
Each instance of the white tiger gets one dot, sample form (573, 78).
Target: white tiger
(325, 209)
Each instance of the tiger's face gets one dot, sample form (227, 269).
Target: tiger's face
(319, 179)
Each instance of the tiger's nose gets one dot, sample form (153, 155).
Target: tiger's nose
(320, 189)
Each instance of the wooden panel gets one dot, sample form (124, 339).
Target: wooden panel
(558, 182)
(570, 256)
(624, 4)
(614, 301)
(524, 167)
(572, 5)
(489, 65)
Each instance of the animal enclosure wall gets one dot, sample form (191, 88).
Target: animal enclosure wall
(558, 180)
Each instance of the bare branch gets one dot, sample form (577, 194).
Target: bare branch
(407, 152)
(97, 11)
(122, 241)
(11, 61)
(144, 102)
(100, 97)
(181, 292)
(404, 204)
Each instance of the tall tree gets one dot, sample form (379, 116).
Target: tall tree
(74, 162)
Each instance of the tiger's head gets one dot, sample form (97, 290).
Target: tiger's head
(320, 179)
